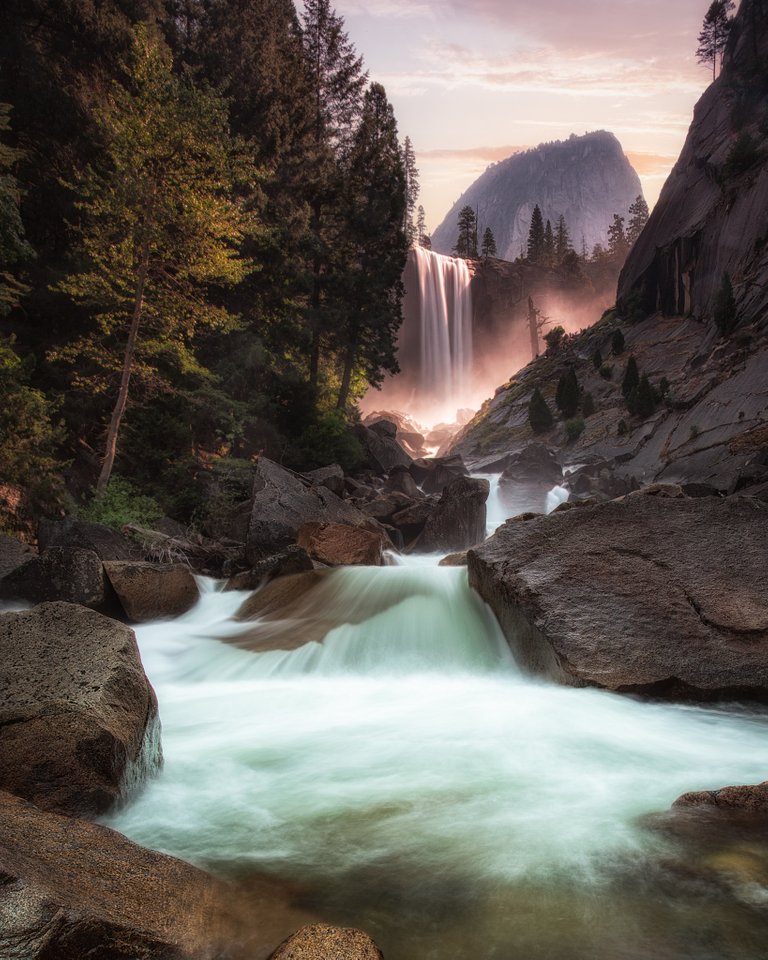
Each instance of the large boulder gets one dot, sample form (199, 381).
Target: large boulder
(72, 889)
(331, 477)
(535, 463)
(61, 573)
(106, 543)
(323, 942)
(751, 799)
(152, 591)
(648, 594)
(78, 715)
(400, 480)
(337, 544)
(291, 559)
(13, 554)
(381, 449)
(459, 519)
(283, 502)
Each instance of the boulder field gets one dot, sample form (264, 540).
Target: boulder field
(657, 595)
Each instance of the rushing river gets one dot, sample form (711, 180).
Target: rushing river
(413, 783)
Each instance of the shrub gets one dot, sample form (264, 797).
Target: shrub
(567, 396)
(725, 312)
(574, 428)
(329, 440)
(693, 432)
(606, 371)
(597, 359)
(645, 403)
(744, 153)
(622, 429)
(539, 415)
(121, 503)
(617, 342)
(554, 340)
(631, 379)
(588, 405)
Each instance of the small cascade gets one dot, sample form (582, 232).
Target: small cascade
(555, 497)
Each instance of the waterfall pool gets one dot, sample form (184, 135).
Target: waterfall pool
(412, 782)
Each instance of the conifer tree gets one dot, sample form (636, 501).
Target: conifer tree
(638, 217)
(160, 224)
(14, 249)
(597, 359)
(489, 244)
(411, 190)
(714, 33)
(562, 240)
(725, 310)
(549, 244)
(422, 236)
(536, 237)
(618, 248)
(567, 396)
(617, 342)
(466, 243)
(631, 378)
(539, 415)
(645, 402)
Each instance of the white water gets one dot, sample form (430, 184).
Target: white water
(511, 500)
(410, 776)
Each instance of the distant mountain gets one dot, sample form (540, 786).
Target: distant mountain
(586, 179)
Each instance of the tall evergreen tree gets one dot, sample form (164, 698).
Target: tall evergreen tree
(378, 198)
(714, 34)
(466, 243)
(631, 378)
(618, 248)
(422, 235)
(536, 236)
(539, 415)
(549, 244)
(562, 240)
(488, 248)
(14, 249)
(567, 395)
(159, 225)
(411, 189)
(638, 217)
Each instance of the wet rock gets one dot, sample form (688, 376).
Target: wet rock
(13, 554)
(61, 573)
(744, 799)
(78, 715)
(381, 449)
(401, 481)
(454, 560)
(424, 468)
(459, 519)
(72, 889)
(331, 477)
(411, 520)
(291, 559)
(106, 543)
(535, 463)
(283, 502)
(152, 591)
(647, 594)
(358, 490)
(322, 942)
(671, 490)
(336, 544)
(384, 507)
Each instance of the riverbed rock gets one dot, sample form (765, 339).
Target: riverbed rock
(291, 559)
(652, 595)
(323, 942)
(401, 481)
(152, 591)
(454, 559)
(535, 463)
(331, 477)
(78, 715)
(72, 889)
(459, 519)
(283, 502)
(337, 544)
(13, 554)
(381, 449)
(70, 574)
(751, 799)
(105, 542)
(385, 506)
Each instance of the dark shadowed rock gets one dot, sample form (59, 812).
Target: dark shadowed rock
(60, 573)
(751, 799)
(458, 520)
(283, 502)
(383, 427)
(535, 463)
(331, 477)
(454, 560)
(323, 942)
(78, 715)
(411, 520)
(13, 554)
(385, 506)
(647, 594)
(337, 544)
(106, 543)
(421, 469)
(401, 481)
(72, 889)
(152, 591)
(291, 559)
(381, 449)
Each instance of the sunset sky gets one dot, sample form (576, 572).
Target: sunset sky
(473, 81)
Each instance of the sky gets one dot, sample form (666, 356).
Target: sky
(474, 81)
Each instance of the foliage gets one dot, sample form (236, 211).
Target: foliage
(568, 393)
(645, 403)
(725, 311)
(744, 153)
(121, 503)
(714, 33)
(638, 217)
(597, 359)
(549, 244)
(554, 339)
(536, 249)
(562, 241)
(606, 371)
(621, 428)
(329, 440)
(411, 191)
(618, 245)
(588, 405)
(539, 415)
(466, 242)
(488, 248)
(617, 342)
(574, 429)
(14, 249)
(631, 378)
(422, 235)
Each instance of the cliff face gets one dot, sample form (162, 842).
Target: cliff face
(711, 215)
(586, 179)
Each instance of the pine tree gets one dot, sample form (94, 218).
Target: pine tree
(536, 237)
(631, 378)
(489, 244)
(539, 415)
(618, 248)
(160, 224)
(714, 34)
(725, 310)
(597, 359)
(549, 244)
(645, 403)
(411, 189)
(421, 228)
(638, 217)
(377, 198)
(567, 396)
(617, 342)
(562, 240)
(14, 249)
(466, 243)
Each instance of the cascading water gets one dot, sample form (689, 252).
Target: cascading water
(413, 783)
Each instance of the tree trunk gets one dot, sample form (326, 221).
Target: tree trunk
(346, 378)
(122, 396)
(533, 328)
(315, 298)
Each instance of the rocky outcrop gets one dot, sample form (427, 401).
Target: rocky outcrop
(322, 942)
(61, 573)
(337, 544)
(535, 463)
(13, 554)
(152, 591)
(380, 446)
(751, 800)
(70, 889)
(291, 559)
(654, 595)
(106, 543)
(586, 179)
(283, 502)
(78, 715)
(331, 477)
(459, 520)
(711, 216)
